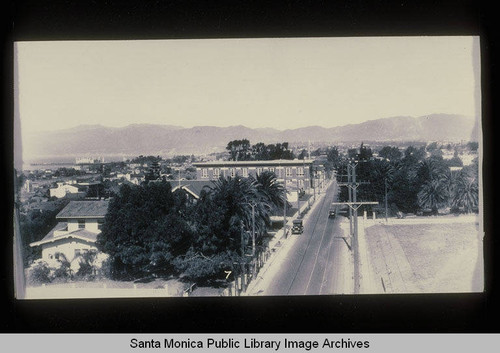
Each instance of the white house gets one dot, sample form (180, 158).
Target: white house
(76, 232)
(63, 189)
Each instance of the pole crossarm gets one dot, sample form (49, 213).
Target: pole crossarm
(354, 185)
(355, 205)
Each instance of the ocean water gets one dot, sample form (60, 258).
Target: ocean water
(47, 166)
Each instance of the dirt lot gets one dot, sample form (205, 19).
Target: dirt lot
(438, 255)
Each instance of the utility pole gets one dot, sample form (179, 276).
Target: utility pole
(242, 240)
(349, 191)
(242, 263)
(298, 196)
(385, 184)
(354, 205)
(314, 183)
(284, 212)
(252, 204)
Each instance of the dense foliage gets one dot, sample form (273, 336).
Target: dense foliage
(241, 150)
(144, 230)
(145, 159)
(87, 266)
(417, 180)
(34, 225)
(68, 172)
(151, 231)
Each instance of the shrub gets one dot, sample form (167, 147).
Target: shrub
(85, 270)
(39, 273)
(105, 268)
(87, 267)
(63, 271)
(201, 269)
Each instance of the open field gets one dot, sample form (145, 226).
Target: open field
(432, 256)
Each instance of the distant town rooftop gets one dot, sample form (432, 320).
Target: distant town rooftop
(84, 209)
(272, 162)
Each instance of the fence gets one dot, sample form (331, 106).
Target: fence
(249, 271)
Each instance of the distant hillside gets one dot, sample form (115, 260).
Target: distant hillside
(434, 127)
(146, 139)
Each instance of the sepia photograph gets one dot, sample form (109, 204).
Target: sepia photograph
(244, 167)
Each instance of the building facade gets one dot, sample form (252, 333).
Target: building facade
(294, 174)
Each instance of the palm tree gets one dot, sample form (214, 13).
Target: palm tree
(431, 169)
(270, 190)
(246, 205)
(466, 192)
(433, 195)
(436, 183)
(380, 174)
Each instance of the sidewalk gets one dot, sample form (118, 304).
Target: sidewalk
(345, 263)
(279, 246)
(368, 283)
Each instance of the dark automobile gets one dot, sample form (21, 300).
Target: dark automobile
(331, 214)
(297, 227)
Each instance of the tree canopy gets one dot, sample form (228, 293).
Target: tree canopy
(150, 230)
(415, 182)
(144, 230)
(145, 159)
(35, 224)
(390, 153)
(241, 150)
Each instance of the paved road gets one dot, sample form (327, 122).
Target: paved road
(314, 264)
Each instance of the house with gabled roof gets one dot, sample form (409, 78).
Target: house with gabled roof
(79, 224)
(192, 188)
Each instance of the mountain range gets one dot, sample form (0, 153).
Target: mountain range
(148, 139)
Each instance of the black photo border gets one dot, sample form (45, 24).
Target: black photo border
(182, 19)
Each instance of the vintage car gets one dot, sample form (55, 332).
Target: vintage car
(297, 227)
(331, 213)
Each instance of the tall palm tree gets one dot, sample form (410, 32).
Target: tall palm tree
(380, 174)
(466, 192)
(245, 201)
(433, 195)
(270, 190)
(431, 169)
(436, 183)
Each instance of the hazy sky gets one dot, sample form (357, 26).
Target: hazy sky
(280, 83)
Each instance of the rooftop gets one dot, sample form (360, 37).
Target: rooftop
(82, 234)
(273, 162)
(195, 186)
(84, 209)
